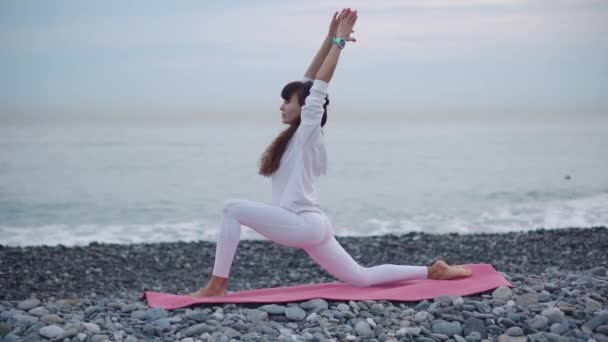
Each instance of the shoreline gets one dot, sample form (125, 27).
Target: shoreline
(562, 269)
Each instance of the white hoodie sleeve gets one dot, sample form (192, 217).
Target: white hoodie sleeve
(312, 111)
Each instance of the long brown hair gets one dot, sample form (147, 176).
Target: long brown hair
(271, 158)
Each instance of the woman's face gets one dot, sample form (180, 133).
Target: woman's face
(290, 110)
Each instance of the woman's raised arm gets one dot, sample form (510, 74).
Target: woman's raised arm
(345, 28)
(326, 45)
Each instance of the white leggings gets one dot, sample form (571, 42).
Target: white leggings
(311, 231)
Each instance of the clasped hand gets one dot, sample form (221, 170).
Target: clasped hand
(342, 24)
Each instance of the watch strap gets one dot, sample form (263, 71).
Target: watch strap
(339, 41)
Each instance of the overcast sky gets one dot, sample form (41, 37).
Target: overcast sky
(443, 59)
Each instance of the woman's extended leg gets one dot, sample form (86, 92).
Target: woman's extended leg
(275, 223)
(333, 258)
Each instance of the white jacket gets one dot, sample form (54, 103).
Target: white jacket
(305, 159)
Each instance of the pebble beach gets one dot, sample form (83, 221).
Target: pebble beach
(93, 292)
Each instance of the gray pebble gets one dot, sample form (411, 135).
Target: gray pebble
(443, 300)
(363, 329)
(51, 331)
(156, 313)
(295, 313)
(502, 293)
(255, 315)
(527, 299)
(198, 329)
(554, 315)
(421, 316)
(315, 305)
(377, 309)
(100, 338)
(538, 322)
(273, 309)
(92, 327)
(473, 324)
(514, 331)
(595, 322)
(28, 304)
(447, 328)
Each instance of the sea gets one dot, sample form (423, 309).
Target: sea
(140, 182)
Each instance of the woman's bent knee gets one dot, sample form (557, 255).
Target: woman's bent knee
(231, 204)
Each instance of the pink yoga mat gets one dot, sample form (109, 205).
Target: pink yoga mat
(484, 278)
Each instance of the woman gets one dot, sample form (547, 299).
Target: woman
(294, 160)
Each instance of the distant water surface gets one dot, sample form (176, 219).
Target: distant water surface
(123, 183)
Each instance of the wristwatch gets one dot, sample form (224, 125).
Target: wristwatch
(339, 41)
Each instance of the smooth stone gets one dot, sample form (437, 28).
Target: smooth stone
(507, 322)
(507, 338)
(231, 333)
(592, 304)
(38, 311)
(498, 311)
(421, 316)
(100, 338)
(199, 316)
(363, 329)
(92, 327)
(131, 307)
(315, 305)
(295, 313)
(555, 337)
(273, 309)
(544, 297)
(198, 329)
(527, 299)
(598, 271)
(589, 326)
(162, 323)
(343, 307)
(475, 336)
(28, 304)
(51, 318)
(156, 313)
(443, 300)
(458, 301)
(51, 331)
(312, 317)
(473, 324)
(25, 319)
(377, 309)
(554, 315)
(255, 315)
(538, 322)
(91, 310)
(514, 331)
(560, 328)
(414, 331)
(423, 305)
(447, 328)
(502, 293)
(139, 315)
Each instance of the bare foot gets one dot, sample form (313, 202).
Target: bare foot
(442, 271)
(207, 292)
